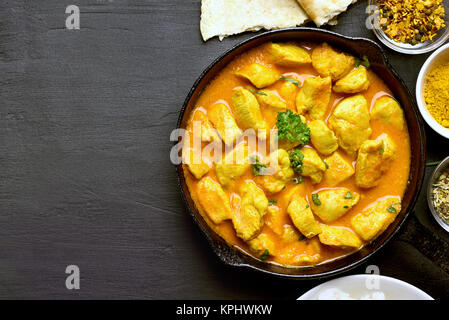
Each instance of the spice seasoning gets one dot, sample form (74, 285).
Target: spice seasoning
(440, 193)
(411, 21)
(436, 94)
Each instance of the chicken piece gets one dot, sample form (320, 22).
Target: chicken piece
(313, 97)
(275, 219)
(338, 170)
(269, 99)
(220, 115)
(278, 171)
(322, 138)
(372, 221)
(350, 122)
(248, 219)
(339, 237)
(234, 164)
(192, 157)
(288, 55)
(312, 165)
(302, 217)
(354, 82)
(297, 254)
(247, 112)
(208, 132)
(329, 62)
(331, 204)
(214, 200)
(299, 189)
(261, 243)
(388, 111)
(306, 258)
(259, 75)
(288, 92)
(374, 160)
(198, 170)
(290, 234)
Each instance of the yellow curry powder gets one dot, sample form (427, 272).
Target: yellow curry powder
(436, 94)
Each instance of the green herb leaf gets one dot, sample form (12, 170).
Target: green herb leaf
(365, 62)
(307, 206)
(325, 163)
(301, 237)
(272, 202)
(296, 158)
(348, 195)
(291, 128)
(258, 167)
(265, 255)
(258, 92)
(346, 207)
(434, 163)
(295, 82)
(392, 209)
(382, 149)
(315, 199)
(298, 180)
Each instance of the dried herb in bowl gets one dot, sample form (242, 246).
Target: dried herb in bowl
(411, 21)
(440, 194)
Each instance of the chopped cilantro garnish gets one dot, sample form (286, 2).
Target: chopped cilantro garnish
(364, 62)
(348, 195)
(258, 167)
(301, 237)
(296, 158)
(392, 209)
(298, 180)
(265, 255)
(382, 149)
(272, 202)
(315, 199)
(258, 92)
(295, 82)
(291, 128)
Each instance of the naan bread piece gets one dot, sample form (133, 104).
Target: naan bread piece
(324, 11)
(227, 17)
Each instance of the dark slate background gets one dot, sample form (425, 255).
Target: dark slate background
(85, 177)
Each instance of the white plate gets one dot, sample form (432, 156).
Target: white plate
(365, 287)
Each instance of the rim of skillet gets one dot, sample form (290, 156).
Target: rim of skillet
(339, 270)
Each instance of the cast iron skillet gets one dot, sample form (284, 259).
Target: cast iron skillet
(380, 65)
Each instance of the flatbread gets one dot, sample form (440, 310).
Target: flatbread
(227, 17)
(323, 11)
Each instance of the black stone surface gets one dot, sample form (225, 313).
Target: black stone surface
(85, 177)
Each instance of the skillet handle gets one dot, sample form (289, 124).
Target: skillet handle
(428, 243)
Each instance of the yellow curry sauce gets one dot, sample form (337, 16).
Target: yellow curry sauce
(286, 250)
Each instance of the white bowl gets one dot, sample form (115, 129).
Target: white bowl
(365, 287)
(436, 58)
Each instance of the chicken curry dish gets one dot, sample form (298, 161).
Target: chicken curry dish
(330, 165)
